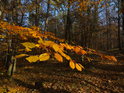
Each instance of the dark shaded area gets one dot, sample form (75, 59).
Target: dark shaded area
(109, 67)
(39, 87)
(99, 76)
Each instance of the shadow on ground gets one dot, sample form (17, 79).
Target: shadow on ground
(39, 87)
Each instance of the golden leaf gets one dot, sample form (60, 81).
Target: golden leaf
(61, 48)
(21, 55)
(28, 49)
(83, 52)
(78, 67)
(69, 47)
(55, 47)
(81, 65)
(40, 41)
(2, 36)
(89, 59)
(32, 59)
(64, 55)
(48, 43)
(44, 57)
(113, 58)
(28, 45)
(58, 57)
(72, 64)
(77, 49)
(67, 57)
(37, 45)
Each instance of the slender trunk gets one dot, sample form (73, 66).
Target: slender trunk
(68, 25)
(21, 20)
(122, 7)
(47, 15)
(37, 14)
(107, 24)
(119, 25)
(11, 60)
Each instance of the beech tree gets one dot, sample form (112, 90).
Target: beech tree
(78, 21)
(33, 39)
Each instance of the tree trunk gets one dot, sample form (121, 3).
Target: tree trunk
(119, 34)
(122, 7)
(11, 60)
(37, 14)
(47, 15)
(68, 25)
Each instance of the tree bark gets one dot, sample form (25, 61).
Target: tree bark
(47, 15)
(119, 25)
(68, 25)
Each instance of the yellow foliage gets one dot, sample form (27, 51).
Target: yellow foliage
(32, 59)
(44, 57)
(77, 49)
(58, 57)
(48, 43)
(56, 47)
(79, 67)
(89, 59)
(27, 49)
(72, 64)
(83, 52)
(64, 55)
(111, 58)
(29, 45)
(67, 46)
(21, 55)
(2, 36)
(37, 45)
(40, 41)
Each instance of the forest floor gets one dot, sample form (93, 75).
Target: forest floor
(53, 77)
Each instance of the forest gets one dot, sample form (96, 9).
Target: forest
(61, 46)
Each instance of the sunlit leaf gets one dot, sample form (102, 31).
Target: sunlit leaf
(83, 52)
(21, 55)
(2, 36)
(89, 59)
(58, 57)
(81, 65)
(32, 59)
(28, 49)
(48, 43)
(28, 45)
(67, 57)
(64, 55)
(77, 49)
(37, 45)
(69, 47)
(78, 67)
(40, 41)
(55, 47)
(44, 57)
(72, 64)
(113, 58)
